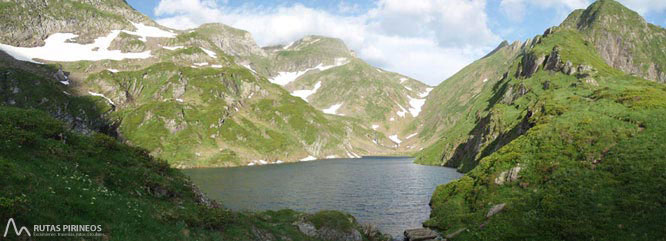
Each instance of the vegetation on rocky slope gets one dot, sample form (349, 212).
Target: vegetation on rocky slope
(49, 174)
(565, 147)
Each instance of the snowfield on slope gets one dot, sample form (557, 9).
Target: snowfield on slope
(333, 110)
(56, 47)
(395, 139)
(304, 94)
(416, 104)
(284, 78)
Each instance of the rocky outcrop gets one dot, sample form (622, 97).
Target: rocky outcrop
(495, 210)
(530, 65)
(622, 38)
(508, 176)
(326, 233)
(27, 23)
(232, 41)
(127, 43)
(420, 234)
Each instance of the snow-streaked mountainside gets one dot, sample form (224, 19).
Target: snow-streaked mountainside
(326, 74)
(201, 97)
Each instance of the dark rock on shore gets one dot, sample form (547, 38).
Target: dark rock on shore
(420, 234)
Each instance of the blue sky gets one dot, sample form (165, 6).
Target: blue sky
(426, 39)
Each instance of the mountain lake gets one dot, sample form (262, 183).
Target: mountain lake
(390, 192)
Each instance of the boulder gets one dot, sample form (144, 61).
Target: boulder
(508, 176)
(495, 209)
(419, 234)
(325, 233)
(456, 233)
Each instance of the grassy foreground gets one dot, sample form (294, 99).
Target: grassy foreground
(49, 175)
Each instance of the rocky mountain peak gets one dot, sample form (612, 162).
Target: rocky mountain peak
(623, 38)
(606, 14)
(233, 41)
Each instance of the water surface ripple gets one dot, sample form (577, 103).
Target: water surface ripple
(392, 193)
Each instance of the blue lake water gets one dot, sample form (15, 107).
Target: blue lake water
(392, 193)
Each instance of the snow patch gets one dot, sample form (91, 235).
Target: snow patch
(251, 164)
(415, 106)
(380, 71)
(144, 31)
(209, 53)
(179, 100)
(403, 79)
(308, 158)
(485, 80)
(247, 66)
(217, 66)
(201, 64)
(375, 127)
(412, 135)
(425, 93)
(56, 47)
(407, 87)
(101, 95)
(331, 157)
(289, 45)
(173, 48)
(284, 78)
(392, 119)
(351, 154)
(333, 109)
(112, 70)
(395, 139)
(402, 111)
(304, 94)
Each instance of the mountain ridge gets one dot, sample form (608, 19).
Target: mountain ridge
(561, 135)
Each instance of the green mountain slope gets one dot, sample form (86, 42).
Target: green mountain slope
(452, 108)
(321, 70)
(563, 147)
(49, 175)
(189, 97)
(623, 38)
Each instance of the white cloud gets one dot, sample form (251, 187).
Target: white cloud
(515, 10)
(426, 39)
(645, 6)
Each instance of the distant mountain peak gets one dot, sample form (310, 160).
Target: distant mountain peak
(606, 14)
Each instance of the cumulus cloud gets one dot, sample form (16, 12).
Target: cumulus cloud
(515, 9)
(426, 39)
(646, 6)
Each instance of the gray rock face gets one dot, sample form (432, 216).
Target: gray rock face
(508, 176)
(232, 41)
(530, 65)
(622, 38)
(495, 209)
(324, 233)
(420, 234)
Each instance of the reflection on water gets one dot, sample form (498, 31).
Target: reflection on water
(392, 193)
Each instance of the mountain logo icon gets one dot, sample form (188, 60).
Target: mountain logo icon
(17, 231)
